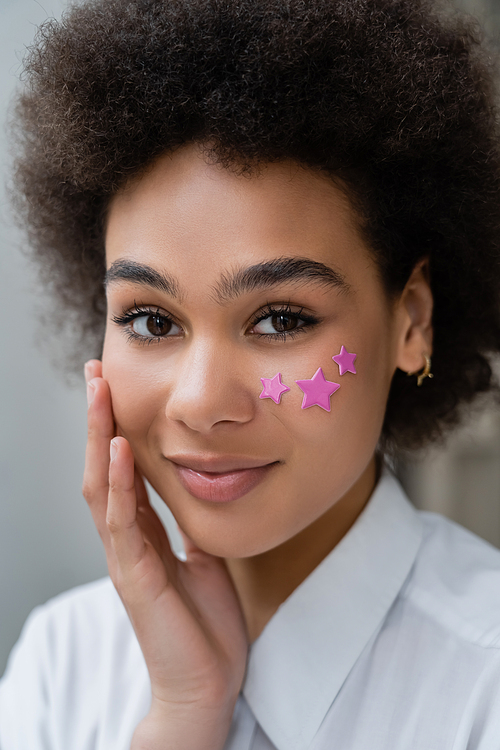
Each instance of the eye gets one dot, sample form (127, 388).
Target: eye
(282, 322)
(278, 323)
(154, 325)
(147, 325)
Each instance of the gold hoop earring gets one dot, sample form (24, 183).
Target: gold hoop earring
(426, 372)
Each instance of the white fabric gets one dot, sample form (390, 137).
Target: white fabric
(392, 643)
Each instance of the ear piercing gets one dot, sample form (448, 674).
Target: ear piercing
(317, 390)
(426, 372)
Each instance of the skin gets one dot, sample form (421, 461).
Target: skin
(196, 391)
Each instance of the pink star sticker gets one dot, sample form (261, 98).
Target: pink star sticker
(317, 390)
(345, 361)
(273, 388)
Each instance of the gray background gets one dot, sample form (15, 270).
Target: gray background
(48, 542)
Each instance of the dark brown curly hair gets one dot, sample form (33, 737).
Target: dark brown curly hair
(394, 96)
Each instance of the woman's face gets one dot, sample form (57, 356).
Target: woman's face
(215, 281)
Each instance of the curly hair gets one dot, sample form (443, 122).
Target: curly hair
(394, 96)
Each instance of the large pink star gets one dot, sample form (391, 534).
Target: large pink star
(273, 388)
(345, 361)
(317, 390)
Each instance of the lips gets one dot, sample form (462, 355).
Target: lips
(222, 479)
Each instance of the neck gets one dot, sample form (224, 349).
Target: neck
(264, 581)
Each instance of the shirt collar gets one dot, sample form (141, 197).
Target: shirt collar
(299, 662)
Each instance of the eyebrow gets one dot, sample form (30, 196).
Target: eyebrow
(263, 275)
(139, 273)
(275, 272)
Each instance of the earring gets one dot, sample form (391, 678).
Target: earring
(426, 372)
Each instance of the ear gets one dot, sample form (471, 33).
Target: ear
(415, 312)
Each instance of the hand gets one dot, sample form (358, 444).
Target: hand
(186, 615)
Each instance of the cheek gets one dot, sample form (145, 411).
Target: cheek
(349, 433)
(135, 395)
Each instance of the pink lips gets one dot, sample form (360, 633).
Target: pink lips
(219, 486)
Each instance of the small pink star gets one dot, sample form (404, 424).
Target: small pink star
(273, 388)
(317, 390)
(345, 361)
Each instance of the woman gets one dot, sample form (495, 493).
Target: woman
(270, 216)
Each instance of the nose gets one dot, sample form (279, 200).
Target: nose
(209, 389)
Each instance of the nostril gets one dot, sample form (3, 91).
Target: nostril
(203, 411)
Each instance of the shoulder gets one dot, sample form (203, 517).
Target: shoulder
(91, 604)
(78, 667)
(456, 581)
(65, 637)
(85, 611)
(86, 596)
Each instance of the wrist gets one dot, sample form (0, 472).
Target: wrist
(183, 728)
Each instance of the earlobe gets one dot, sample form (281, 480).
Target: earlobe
(415, 334)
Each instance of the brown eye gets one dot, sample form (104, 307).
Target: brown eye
(282, 323)
(157, 325)
(154, 325)
(279, 323)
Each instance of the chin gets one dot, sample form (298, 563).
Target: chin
(226, 542)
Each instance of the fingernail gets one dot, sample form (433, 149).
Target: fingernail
(112, 450)
(86, 371)
(90, 393)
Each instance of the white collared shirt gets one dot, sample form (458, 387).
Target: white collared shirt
(391, 643)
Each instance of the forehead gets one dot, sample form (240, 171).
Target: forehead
(199, 218)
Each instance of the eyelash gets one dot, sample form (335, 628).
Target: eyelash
(269, 310)
(138, 312)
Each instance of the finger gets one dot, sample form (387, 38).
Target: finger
(140, 489)
(100, 432)
(152, 525)
(146, 514)
(92, 369)
(121, 518)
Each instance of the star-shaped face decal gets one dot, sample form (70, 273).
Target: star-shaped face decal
(345, 361)
(317, 390)
(273, 388)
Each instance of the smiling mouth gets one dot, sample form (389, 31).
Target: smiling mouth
(222, 486)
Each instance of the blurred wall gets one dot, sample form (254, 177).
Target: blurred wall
(462, 479)
(48, 542)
